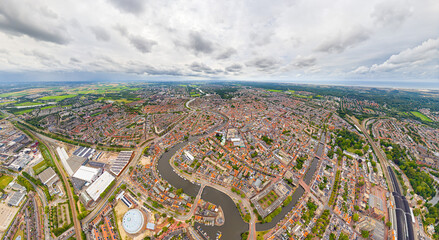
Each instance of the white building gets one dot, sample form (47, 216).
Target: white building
(98, 187)
(87, 174)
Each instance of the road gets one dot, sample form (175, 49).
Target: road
(191, 212)
(48, 142)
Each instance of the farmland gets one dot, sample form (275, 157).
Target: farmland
(58, 98)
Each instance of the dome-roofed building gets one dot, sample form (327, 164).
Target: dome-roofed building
(133, 221)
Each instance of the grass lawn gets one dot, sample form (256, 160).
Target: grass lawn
(421, 116)
(40, 167)
(27, 104)
(5, 180)
(24, 111)
(59, 97)
(268, 199)
(195, 95)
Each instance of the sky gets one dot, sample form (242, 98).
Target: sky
(376, 41)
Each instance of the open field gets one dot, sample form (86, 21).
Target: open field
(5, 180)
(274, 90)
(421, 116)
(24, 111)
(41, 166)
(9, 102)
(59, 97)
(7, 214)
(47, 107)
(25, 104)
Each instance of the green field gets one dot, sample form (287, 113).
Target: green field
(25, 104)
(421, 116)
(9, 102)
(5, 180)
(274, 90)
(24, 111)
(59, 97)
(40, 167)
(13, 94)
(47, 107)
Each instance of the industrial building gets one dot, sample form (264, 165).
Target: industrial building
(49, 178)
(84, 152)
(98, 187)
(121, 162)
(87, 174)
(16, 199)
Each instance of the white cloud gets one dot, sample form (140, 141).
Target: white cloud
(427, 53)
(245, 39)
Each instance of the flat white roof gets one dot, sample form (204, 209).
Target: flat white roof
(86, 173)
(99, 186)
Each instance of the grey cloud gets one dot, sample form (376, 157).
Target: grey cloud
(74, 60)
(38, 54)
(45, 59)
(140, 68)
(197, 44)
(234, 68)
(203, 68)
(226, 54)
(142, 44)
(100, 33)
(391, 14)
(16, 21)
(130, 6)
(48, 13)
(261, 39)
(302, 62)
(341, 42)
(263, 64)
(121, 29)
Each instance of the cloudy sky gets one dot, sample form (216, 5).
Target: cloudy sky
(294, 40)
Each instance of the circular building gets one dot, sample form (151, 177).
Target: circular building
(133, 221)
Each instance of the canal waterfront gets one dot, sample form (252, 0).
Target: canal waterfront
(234, 224)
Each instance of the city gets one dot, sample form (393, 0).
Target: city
(251, 163)
(219, 120)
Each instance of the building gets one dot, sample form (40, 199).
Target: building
(188, 157)
(121, 162)
(84, 152)
(49, 178)
(87, 174)
(133, 221)
(98, 187)
(73, 163)
(16, 199)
